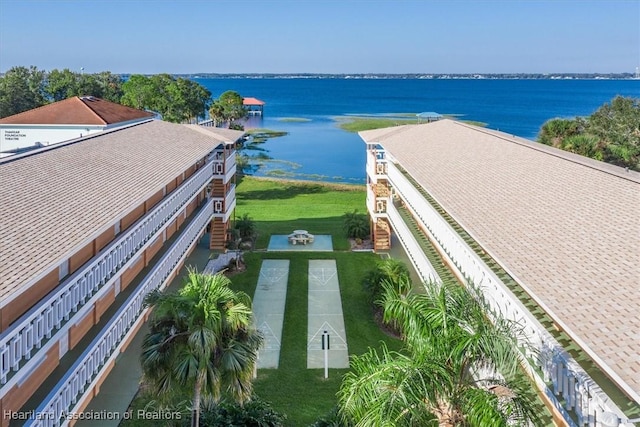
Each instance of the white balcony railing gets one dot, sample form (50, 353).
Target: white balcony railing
(415, 253)
(572, 389)
(30, 334)
(69, 392)
(224, 168)
(223, 206)
(371, 167)
(371, 204)
(376, 166)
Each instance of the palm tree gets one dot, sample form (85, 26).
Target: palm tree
(201, 339)
(246, 226)
(390, 271)
(217, 113)
(356, 225)
(458, 368)
(554, 131)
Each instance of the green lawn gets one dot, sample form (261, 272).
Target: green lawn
(303, 394)
(278, 207)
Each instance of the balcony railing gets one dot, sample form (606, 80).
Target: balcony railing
(224, 167)
(411, 246)
(572, 389)
(33, 331)
(223, 206)
(376, 164)
(88, 368)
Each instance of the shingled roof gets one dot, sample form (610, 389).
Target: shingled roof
(565, 226)
(54, 201)
(84, 110)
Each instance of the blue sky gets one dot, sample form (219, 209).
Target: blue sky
(346, 36)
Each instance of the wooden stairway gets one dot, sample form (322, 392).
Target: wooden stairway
(382, 235)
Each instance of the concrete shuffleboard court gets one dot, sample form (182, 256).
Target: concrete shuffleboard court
(325, 314)
(321, 243)
(268, 309)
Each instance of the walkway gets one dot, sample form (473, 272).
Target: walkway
(325, 314)
(220, 262)
(268, 309)
(122, 383)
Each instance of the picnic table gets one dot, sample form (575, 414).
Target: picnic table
(300, 236)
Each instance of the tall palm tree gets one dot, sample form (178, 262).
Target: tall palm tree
(458, 368)
(201, 339)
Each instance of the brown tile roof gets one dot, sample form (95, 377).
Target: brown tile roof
(86, 110)
(567, 227)
(55, 200)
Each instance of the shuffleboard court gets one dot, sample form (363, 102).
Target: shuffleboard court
(268, 309)
(325, 314)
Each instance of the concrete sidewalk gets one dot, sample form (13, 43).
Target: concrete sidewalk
(268, 309)
(325, 314)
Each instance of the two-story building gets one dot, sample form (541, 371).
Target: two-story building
(88, 228)
(551, 238)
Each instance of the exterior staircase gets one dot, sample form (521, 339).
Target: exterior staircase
(382, 235)
(218, 235)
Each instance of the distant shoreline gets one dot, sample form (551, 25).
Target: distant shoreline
(419, 76)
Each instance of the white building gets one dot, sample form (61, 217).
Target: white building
(62, 121)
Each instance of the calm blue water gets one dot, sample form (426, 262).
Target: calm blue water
(318, 149)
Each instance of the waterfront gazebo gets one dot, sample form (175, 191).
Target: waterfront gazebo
(429, 116)
(253, 105)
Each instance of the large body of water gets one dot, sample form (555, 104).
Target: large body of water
(317, 149)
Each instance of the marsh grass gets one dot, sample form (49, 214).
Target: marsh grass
(294, 119)
(358, 124)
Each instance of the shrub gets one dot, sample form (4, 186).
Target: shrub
(236, 126)
(233, 239)
(391, 271)
(356, 225)
(255, 413)
(246, 226)
(332, 419)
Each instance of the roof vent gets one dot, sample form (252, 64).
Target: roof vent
(87, 98)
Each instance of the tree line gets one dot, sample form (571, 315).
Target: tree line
(176, 99)
(611, 134)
